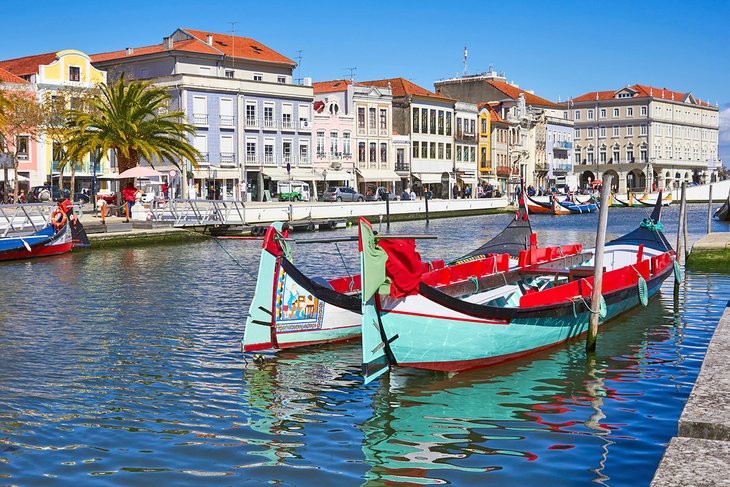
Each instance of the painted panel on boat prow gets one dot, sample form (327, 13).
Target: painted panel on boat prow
(257, 334)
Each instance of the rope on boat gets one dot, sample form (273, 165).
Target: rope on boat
(352, 281)
(246, 271)
(474, 281)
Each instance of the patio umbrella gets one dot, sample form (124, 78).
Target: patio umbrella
(139, 172)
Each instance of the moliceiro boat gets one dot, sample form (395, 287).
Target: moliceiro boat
(291, 309)
(722, 213)
(556, 206)
(492, 318)
(62, 233)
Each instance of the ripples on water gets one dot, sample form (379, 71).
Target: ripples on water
(124, 367)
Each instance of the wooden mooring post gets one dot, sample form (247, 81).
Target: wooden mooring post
(598, 265)
(680, 226)
(387, 209)
(709, 212)
(426, 209)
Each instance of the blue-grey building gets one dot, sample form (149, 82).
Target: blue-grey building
(252, 122)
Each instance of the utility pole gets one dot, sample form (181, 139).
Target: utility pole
(300, 80)
(352, 72)
(233, 41)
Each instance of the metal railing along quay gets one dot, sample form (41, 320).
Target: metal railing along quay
(28, 217)
(181, 213)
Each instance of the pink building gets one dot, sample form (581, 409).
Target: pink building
(23, 145)
(334, 125)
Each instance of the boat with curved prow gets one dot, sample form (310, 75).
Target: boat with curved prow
(502, 316)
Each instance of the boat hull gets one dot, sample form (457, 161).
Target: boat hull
(44, 243)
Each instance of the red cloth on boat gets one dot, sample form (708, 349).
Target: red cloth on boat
(403, 267)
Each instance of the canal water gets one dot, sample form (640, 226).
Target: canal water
(123, 367)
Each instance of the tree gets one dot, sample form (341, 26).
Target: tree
(22, 115)
(132, 120)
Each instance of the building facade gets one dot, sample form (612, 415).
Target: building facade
(484, 151)
(62, 79)
(253, 124)
(647, 138)
(428, 119)
(466, 143)
(524, 112)
(559, 153)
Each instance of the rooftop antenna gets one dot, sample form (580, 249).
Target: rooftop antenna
(299, 66)
(352, 72)
(233, 42)
(466, 54)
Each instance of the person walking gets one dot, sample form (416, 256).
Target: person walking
(128, 194)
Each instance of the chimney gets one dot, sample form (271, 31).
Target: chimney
(307, 81)
(209, 39)
(129, 51)
(167, 43)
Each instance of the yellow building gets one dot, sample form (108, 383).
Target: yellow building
(486, 170)
(62, 78)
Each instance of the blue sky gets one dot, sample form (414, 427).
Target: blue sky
(557, 48)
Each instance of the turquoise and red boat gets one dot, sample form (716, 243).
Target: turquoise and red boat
(290, 309)
(492, 318)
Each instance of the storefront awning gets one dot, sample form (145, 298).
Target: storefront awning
(372, 175)
(428, 177)
(337, 176)
(275, 173)
(306, 174)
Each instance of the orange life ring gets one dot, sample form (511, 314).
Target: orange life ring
(58, 223)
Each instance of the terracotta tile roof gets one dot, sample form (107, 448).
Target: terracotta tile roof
(222, 44)
(642, 91)
(513, 92)
(402, 87)
(27, 65)
(8, 77)
(331, 86)
(494, 116)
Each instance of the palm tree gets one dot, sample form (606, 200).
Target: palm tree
(131, 119)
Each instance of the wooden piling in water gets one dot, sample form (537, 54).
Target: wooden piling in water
(426, 210)
(680, 225)
(709, 211)
(387, 209)
(598, 265)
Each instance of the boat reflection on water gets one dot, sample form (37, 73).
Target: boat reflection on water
(550, 417)
(428, 427)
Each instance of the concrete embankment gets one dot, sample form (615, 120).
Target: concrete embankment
(711, 252)
(700, 453)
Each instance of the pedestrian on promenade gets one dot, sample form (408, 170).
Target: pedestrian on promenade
(413, 195)
(128, 194)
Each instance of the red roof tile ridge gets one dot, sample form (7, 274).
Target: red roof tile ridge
(8, 77)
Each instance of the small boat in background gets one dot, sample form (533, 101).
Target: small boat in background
(723, 213)
(578, 207)
(650, 199)
(557, 207)
(617, 202)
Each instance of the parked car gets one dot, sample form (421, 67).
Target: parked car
(292, 190)
(342, 193)
(35, 196)
(378, 194)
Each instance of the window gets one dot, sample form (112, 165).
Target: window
(286, 151)
(269, 151)
(458, 127)
(473, 151)
(281, 79)
(346, 149)
(383, 119)
(269, 115)
(227, 154)
(432, 152)
(432, 120)
(200, 142)
(372, 120)
(361, 152)
(590, 114)
(415, 149)
(250, 114)
(251, 150)
(448, 123)
(589, 155)
(287, 110)
(642, 130)
(334, 143)
(441, 150)
(373, 152)
(383, 152)
(441, 122)
(643, 111)
(577, 114)
(484, 126)
(629, 112)
(458, 147)
(226, 108)
(629, 153)
(21, 144)
(577, 133)
(200, 110)
(630, 131)
(643, 154)
(577, 155)
(616, 131)
(602, 132)
(472, 124)
(303, 152)
(424, 150)
(602, 154)
(616, 154)
(589, 132)
(416, 119)
(361, 119)
(615, 112)
(228, 73)
(303, 116)
(258, 77)
(448, 148)
(603, 113)
(74, 73)
(320, 143)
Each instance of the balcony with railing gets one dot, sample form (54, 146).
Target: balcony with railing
(269, 160)
(462, 136)
(402, 167)
(228, 158)
(204, 158)
(252, 122)
(562, 145)
(269, 124)
(504, 171)
(287, 125)
(200, 119)
(305, 161)
(227, 121)
(252, 159)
